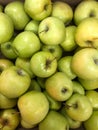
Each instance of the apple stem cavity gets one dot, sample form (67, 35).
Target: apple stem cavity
(45, 30)
(92, 14)
(19, 72)
(75, 106)
(48, 63)
(64, 90)
(96, 61)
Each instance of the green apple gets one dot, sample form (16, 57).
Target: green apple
(41, 82)
(84, 36)
(92, 122)
(93, 97)
(63, 11)
(43, 64)
(17, 13)
(9, 119)
(24, 63)
(78, 107)
(69, 44)
(89, 84)
(26, 43)
(38, 9)
(6, 103)
(56, 50)
(33, 107)
(64, 65)
(6, 28)
(32, 25)
(54, 121)
(59, 86)
(14, 81)
(51, 31)
(85, 9)
(89, 68)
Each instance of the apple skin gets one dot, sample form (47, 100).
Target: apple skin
(51, 28)
(59, 86)
(17, 82)
(33, 107)
(92, 122)
(25, 44)
(1, 8)
(84, 36)
(38, 9)
(78, 107)
(6, 28)
(84, 10)
(89, 69)
(63, 11)
(43, 64)
(15, 10)
(9, 119)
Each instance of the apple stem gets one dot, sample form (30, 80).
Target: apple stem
(45, 30)
(48, 62)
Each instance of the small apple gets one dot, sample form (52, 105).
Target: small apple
(89, 68)
(25, 44)
(15, 10)
(59, 86)
(6, 28)
(14, 81)
(9, 119)
(78, 107)
(43, 64)
(63, 11)
(51, 31)
(85, 9)
(38, 9)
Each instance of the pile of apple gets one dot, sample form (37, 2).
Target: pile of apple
(49, 65)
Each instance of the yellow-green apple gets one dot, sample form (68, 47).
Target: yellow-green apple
(32, 25)
(6, 103)
(54, 121)
(92, 122)
(9, 119)
(25, 44)
(51, 31)
(78, 107)
(6, 28)
(59, 86)
(38, 9)
(43, 64)
(15, 10)
(89, 68)
(84, 36)
(85, 9)
(64, 65)
(93, 97)
(69, 43)
(63, 11)
(33, 107)
(14, 81)
(56, 50)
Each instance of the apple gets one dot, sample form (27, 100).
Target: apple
(14, 81)
(78, 107)
(56, 50)
(59, 86)
(63, 11)
(25, 44)
(84, 36)
(92, 122)
(41, 82)
(6, 103)
(43, 64)
(69, 43)
(51, 31)
(33, 107)
(9, 119)
(38, 9)
(6, 28)
(1, 8)
(54, 121)
(64, 65)
(85, 9)
(89, 68)
(93, 97)
(32, 25)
